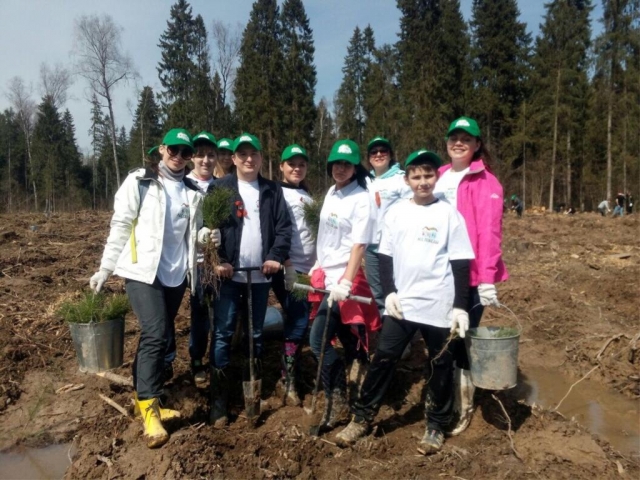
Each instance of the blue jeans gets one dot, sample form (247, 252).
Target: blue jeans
(296, 311)
(372, 272)
(618, 211)
(225, 308)
(200, 320)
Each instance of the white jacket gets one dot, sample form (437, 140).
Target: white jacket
(144, 232)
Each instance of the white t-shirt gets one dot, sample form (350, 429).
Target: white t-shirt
(303, 247)
(422, 241)
(347, 218)
(203, 185)
(384, 193)
(251, 239)
(447, 186)
(174, 261)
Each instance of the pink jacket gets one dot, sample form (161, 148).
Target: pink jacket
(480, 201)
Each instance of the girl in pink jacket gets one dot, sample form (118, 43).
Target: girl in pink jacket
(468, 184)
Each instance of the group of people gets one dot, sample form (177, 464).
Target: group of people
(624, 204)
(429, 237)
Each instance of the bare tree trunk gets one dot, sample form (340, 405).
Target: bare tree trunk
(9, 180)
(113, 138)
(524, 155)
(95, 179)
(568, 197)
(624, 156)
(555, 142)
(609, 135)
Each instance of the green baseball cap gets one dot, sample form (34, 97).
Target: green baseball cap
(465, 124)
(379, 141)
(345, 150)
(225, 144)
(293, 151)
(423, 154)
(178, 136)
(205, 137)
(247, 138)
(153, 150)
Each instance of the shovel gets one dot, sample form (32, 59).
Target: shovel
(314, 428)
(253, 388)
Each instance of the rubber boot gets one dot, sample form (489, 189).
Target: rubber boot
(218, 397)
(432, 441)
(286, 387)
(357, 373)
(357, 429)
(166, 414)
(154, 432)
(336, 407)
(463, 406)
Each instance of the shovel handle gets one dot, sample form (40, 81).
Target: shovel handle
(309, 288)
(247, 269)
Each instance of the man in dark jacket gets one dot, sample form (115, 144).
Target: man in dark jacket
(257, 234)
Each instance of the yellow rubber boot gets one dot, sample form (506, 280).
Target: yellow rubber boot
(154, 432)
(166, 414)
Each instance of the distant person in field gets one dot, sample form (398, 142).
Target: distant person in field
(620, 205)
(424, 261)
(224, 163)
(516, 204)
(468, 184)
(152, 245)
(603, 208)
(294, 163)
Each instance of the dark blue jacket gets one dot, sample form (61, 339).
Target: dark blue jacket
(275, 223)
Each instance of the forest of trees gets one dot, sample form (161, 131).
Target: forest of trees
(560, 113)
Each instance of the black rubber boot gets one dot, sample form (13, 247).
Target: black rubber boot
(287, 386)
(336, 407)
(219, 397)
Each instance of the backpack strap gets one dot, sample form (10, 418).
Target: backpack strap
(143, 188)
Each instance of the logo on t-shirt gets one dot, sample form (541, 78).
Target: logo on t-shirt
(429, 235)
(184, 211)
(257, 209)
(332, 221)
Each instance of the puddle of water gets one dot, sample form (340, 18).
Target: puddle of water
(35, 463)
(606, 413)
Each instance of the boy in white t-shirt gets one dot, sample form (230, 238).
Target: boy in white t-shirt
(428, 294)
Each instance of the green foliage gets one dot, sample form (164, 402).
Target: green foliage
(311, 213)
(217, 207)
(94, 307)
(146, 131)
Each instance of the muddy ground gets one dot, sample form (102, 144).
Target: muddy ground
(574, 287)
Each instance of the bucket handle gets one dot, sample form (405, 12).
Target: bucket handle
(502, 305)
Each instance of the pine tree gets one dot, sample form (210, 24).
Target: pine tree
(298, 73)
(146, 131)
(259, 84)
(350, 97)
(97, 133)
(500, 52)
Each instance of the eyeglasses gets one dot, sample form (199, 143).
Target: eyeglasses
(381, 151)
(185, 152)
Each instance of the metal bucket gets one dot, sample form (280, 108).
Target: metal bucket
(99, 345)
(493, 356)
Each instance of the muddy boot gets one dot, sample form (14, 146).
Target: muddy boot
(463, 406)
(431, 442)
(286, 387)
(154, 432)
(357, 428)
(336, 408)
(199, 372)
(218, 398)
(165, 413)
(357, 372)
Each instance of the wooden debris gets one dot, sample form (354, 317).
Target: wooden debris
(114, 405)
(117, 379)
(70, 387)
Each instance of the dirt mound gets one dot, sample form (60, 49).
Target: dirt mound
(573, 287)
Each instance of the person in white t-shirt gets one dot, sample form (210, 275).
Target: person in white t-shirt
(257, 234)
(294, 162)
(424, 264)
(386, 187)
(346, 228)
(152, 245)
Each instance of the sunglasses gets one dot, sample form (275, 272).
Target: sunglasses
(185, 152)
(376, 151)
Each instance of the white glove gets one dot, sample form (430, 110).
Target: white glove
(488, 294)
(392, 306)
(341, 291)
(460, 322)
(205, 235)
(98, 280)
(290, 277)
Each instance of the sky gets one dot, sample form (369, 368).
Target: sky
(37, 31)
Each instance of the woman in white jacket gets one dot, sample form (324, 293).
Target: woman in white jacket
(152, 245)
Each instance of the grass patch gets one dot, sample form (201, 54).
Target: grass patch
(94, 307)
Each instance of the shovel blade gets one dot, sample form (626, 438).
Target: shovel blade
(252, 391)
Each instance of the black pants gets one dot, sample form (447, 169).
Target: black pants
(394, 337)
(475, 310)
(156, 307)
